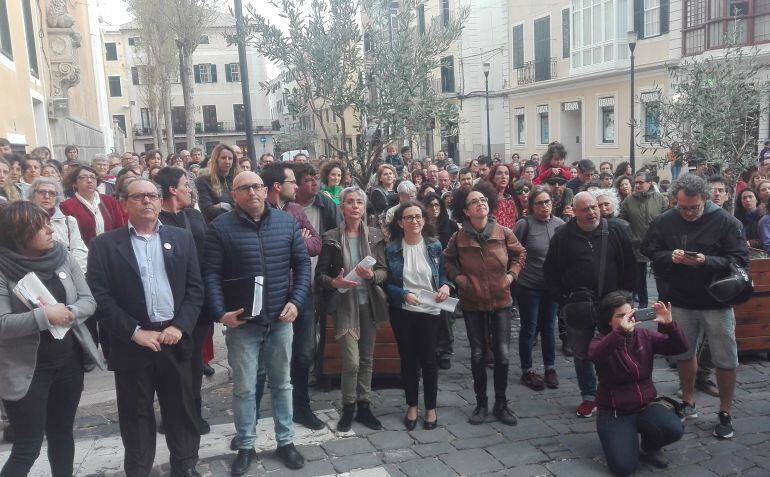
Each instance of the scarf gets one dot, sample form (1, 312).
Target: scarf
(14, 266)
(349, 322)
(95, 210)
(480, 237)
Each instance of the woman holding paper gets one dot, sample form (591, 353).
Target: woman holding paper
(356, 312)
(415, 266)
(483, 259)
(41, 348)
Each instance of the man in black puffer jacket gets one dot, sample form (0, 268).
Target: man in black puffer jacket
(690, 246)
(250, 241)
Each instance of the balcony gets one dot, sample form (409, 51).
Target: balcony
(229, 127)
(143, 131)
(536, 70)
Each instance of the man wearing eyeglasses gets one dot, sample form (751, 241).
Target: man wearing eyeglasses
(639, 209)
(256, 240)
(690, 246)
(146, 282)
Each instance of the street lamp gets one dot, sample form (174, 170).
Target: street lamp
(632, 37)
(486, 94)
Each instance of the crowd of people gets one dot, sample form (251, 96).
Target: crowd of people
(142, 255)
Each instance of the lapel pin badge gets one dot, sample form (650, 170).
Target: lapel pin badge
(167, 246)
(62, 275)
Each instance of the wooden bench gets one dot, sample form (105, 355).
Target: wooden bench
(752, 319)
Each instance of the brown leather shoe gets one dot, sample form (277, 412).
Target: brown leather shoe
(532, 380)
(551, 379)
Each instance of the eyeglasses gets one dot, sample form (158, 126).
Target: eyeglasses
(523, 190)
(477, 201)
(543, 203)
(88, 177)
(250, 187)
(139, 197)
(690, 208)
(412, 218)
(435, 205)
(46, 193)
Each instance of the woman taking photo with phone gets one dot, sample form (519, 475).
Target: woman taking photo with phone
(626, 397)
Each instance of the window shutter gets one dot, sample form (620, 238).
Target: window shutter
(134, 75)
(639, 18)
(664, 11)
(518, 46)
(228, 73)
(213, 72)
(197, 73)
(565, 49)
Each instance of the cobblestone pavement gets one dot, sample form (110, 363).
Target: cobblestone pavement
(549, 439)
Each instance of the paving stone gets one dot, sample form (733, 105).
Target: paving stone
(752, 424)
(471, 462)
(438, 448)
(577, 468)
(387, 440)
(526, 429)
(517, 454)
(311, 469)
(692, 470)
(311, 453)
(466, 430)
(684, 456)
(586, 446)
(436, 435)
(428, 467)
(399, 455)
(393, 470)
(479, 442)
(527, 471)
(358, 461)
(727, 464)
(346, 447)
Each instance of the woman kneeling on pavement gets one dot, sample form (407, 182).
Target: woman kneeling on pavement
(483, 260)
(41, 371)
(626, 397)
(415, 263)
(356, 307)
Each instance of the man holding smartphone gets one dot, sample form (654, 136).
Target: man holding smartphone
(690, 246)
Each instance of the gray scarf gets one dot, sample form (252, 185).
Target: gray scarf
(480, 237)
(14, 266)
(349, 322)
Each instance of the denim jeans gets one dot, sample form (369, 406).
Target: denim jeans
(302, 349)
(499, 322)
(619, 435)
(244, 344)
(584, 368)
(537, 311)
(640, 283)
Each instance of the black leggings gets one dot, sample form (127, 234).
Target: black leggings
(477, 324)
(48, 409)
(416, 336)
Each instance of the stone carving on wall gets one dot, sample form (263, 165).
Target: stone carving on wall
(63, 43)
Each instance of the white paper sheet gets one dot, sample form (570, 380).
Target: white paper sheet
(368, 262)
(428, 298)
(31, 291)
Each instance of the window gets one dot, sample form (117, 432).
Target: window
(205, 73)
(115, 89)
(29, 31)
(178, 120)
(651, 115)
(120, 121)
(651, 18)
(607, 117)
(204, 40)
(233, 72)
(5, 31)
(707, 22)
(521, 134)
(598, 32)
(135, 41)
(421, 19)
(111, 51)
(543, 125)
(239, 114)
(448, 74)
(367, 42)
(135, 75)
(518, 46)
(445, 13)
(565, 52)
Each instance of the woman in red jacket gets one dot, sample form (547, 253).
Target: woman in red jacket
(552, 164)
(626, 397)
(96, 213)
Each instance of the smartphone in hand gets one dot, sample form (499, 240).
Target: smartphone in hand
(691, 254)
(645, 314)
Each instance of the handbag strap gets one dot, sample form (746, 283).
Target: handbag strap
(602, 259)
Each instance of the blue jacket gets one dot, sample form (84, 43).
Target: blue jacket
(394, 254)
(238, 247)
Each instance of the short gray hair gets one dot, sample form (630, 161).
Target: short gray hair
(692, 185)
(344, 193)
(611, 194)
(46, 180)
(98, 158)
(406, 187)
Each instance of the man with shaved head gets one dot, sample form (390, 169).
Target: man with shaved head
(261, 248)
(576, 277)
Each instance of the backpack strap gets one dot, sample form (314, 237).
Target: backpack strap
(602, 259)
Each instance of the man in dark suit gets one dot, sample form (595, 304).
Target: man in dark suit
(146, 282)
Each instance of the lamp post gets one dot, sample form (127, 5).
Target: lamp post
(632, 37)
(486, 95)
(243, 68)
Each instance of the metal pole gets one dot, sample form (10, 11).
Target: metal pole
(486, 87)
(244, 70)
(632, 150)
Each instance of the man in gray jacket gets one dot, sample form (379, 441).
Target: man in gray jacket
(639, 209)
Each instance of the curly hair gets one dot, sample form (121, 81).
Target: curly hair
(740, 211)
(460, 196)
(692, 185)
(554, 149)
(396, 233)
(326, 169)
(70, 182)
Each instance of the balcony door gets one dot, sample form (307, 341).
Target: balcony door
(542, 42)
(210, 118)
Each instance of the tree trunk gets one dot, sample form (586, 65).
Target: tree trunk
(185, 62)
(156, 132)
(167, 118)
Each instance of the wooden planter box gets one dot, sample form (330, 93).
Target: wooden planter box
(387, 363)
(752, 319)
